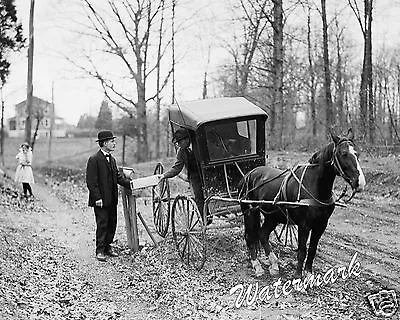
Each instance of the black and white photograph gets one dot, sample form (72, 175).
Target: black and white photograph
(208, 159)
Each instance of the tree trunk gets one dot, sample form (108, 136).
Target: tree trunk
(327, 75)
(277, 114)
(158, 98)
(142, 151)
(123, 149)
(312, 78)
(339, 82)
(368, 52)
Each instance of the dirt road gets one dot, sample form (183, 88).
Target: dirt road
(49, 270)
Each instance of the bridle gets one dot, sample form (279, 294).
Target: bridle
(339, 170)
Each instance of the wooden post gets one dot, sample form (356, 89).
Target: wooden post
(130, 212)
(129, 204)
(133, 219)
(127, 220)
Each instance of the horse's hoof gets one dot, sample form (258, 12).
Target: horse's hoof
(259, 273)
(274, 271)
(265, 261)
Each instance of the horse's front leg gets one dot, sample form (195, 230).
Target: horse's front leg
(303, 233)
(251, 234)
(316, 234)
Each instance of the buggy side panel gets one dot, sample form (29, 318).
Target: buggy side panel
(223, 178)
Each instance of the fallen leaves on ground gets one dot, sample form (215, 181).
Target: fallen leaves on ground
(40, 279)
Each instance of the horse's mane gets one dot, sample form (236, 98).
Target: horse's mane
(323, 155)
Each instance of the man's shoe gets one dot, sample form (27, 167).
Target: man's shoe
(112, 253)
(101, 257)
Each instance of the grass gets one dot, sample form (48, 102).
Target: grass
(64, 151)
(74, 152)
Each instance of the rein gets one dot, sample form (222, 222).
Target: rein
(260, 185)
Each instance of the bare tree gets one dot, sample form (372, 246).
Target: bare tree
(327, 74)
(127, 31)
(253, 23)
(277, 105)
(339, 81)
(366, 90)
(312, 75)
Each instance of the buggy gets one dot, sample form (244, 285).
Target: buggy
(228, 140)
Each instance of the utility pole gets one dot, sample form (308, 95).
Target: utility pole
(173, 72)
(29, 87)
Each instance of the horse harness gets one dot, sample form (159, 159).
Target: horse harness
(312, 201)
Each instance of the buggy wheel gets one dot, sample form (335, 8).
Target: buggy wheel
(161, 198)
(286, 235)
(189, 231)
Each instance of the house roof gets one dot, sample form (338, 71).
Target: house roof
(192, 114)
(35, 101)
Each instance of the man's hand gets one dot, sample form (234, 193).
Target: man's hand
(99, 203)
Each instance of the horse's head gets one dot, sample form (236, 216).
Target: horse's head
(346, 163)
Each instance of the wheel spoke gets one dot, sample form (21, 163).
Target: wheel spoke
(193, 226)
(286, 233)
(188, 232)
(161, 204)
(157, 194)
(184, 247)
(199, 252)
(193, 213)
(194, 239)
(276, 234)
(280, 234)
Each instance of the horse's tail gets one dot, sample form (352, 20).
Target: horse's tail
(251, 215)
(243, 187)
(244, 192)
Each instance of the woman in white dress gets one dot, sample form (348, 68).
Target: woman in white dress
(24, 173)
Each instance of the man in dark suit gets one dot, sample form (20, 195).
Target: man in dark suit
(102, 177)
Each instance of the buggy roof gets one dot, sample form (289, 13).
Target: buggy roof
(192, 114)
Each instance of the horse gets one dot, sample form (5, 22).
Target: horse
(309, 184)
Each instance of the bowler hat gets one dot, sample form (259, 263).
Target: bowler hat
(104, 135)
(179, 135)
(25, 144)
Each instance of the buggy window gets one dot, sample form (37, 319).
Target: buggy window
(231, 139)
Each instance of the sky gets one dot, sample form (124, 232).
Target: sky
(74, 96)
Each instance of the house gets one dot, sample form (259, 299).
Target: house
(42, 111)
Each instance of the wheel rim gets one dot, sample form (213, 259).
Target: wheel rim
(188, 231)
(286, 235)
(161, 198)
